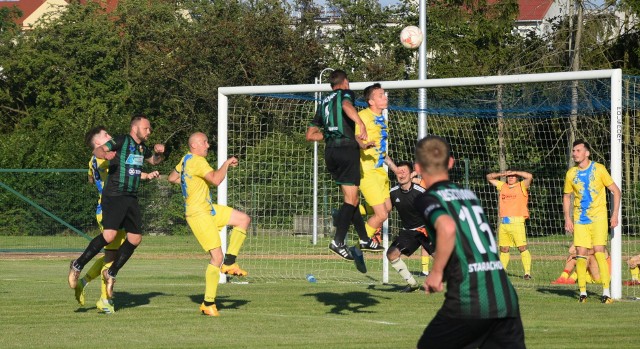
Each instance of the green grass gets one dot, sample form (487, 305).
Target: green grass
(157, 307)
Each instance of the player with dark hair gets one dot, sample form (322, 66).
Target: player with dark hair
(338, 118)
(413, 233)
(206, 219)
(587, 181)
(481, 306)
(374, 179)
(513, 211)
(98, 170)
(120, 208)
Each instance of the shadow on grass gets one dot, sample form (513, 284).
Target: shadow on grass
(387, 288)
(124, 300)
(222, 302)
(570, 293)
(349, 302)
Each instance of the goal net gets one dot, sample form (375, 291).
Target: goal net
(524, 122)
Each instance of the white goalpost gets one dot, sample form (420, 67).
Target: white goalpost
(289, 198)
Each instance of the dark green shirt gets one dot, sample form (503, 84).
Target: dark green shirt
(477, 285)
(126, 168)
(338, 128)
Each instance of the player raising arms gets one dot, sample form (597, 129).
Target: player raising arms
(374, 179)
(206, 219)
(587, 181)
(413, 233)
(481, 306)
(337, 116)
(513, 211)
(119, 202)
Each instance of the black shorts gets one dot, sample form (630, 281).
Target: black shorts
(343, 163)
(443, 332)
(121, 212)
(408, 241)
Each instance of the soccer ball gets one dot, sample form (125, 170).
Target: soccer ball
(411, 37)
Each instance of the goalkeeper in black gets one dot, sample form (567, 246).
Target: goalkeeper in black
(480, 309)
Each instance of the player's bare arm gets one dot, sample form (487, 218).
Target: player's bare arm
(150, 175)
(314, 134)
(392, 165)
(446, 236)
(527, 177)
(216, 177)
(174, 177)
(102, 152)
(566, 209)
(352, 113)
(613, 188)
(493, 178)
(158, 154)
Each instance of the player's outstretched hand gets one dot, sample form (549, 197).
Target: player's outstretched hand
(232, 161)
(433, 283)
(158, 148)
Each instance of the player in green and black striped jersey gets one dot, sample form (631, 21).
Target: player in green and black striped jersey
(337, 117)
(481, 306)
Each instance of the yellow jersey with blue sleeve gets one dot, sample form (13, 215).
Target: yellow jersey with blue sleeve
(377, 132)
(589, 189)
(98, 170)
(195, 189)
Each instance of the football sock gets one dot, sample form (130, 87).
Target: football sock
(635, 272)
(91, 251)
(371, 231)
(124, 253)
(212, 277)
(565, 274)
(103, 285)
(425, 263)
(359, 225)
(504, 258)
(345, 214)
(526, 261)
(94, 271)
(574, 276)
(605, 277)
(402, 269)
(581, 269)
(236, 240)
(605, 292)
(229, 259)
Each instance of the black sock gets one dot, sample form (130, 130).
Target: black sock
(124, 253)
(345, 215)
(92, 250)
(206, 304)
(229, 259)
(358, 224)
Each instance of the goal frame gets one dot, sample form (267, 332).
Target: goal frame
(616, 125)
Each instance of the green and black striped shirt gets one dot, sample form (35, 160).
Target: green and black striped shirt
(338, 128)
(477, 285)
(126, 168)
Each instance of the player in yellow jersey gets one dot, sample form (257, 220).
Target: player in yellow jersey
(587, 182)
(633, 263)
(513, 211)
(206, 219)
(569, 276)
(374, 179)
(98, 170)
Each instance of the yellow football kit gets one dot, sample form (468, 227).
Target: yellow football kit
(374, 180)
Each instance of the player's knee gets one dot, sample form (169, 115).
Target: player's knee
(522, 248)
(393, 254)
(245, 221)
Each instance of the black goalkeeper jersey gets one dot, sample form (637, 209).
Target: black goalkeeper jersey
(477, 285)
(126, 168)
(403, 201)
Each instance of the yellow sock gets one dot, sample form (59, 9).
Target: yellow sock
(235, 240)
(591, 280)
(212, 277)
(526, 261)
(95, 270)
(370, 230)
(574, 276)
(103, 285)
(425, 263)
(581, 269)
(504, 258)
(635, 272)
(605, 277)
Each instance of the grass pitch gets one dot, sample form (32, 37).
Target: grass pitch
(157, 307)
